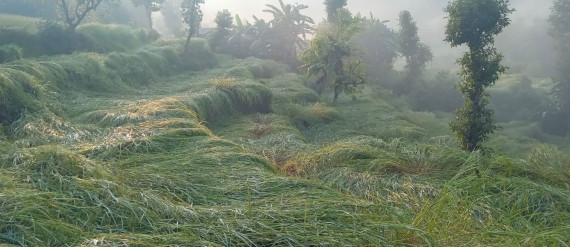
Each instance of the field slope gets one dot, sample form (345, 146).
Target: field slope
(245, 154)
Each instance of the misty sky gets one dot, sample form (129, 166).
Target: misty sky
(427, 13)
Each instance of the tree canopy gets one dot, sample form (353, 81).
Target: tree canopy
(331, 57)
(192, 15)
(332, 6)
(416, 53)
(475, 24)
(289, 29)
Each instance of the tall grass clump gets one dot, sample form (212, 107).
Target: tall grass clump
(236, 98)
(28, 42)
(141, 67)
(56, 39)
(67, 196)
(379, 170)
(254, 68)
(28, 24)
(38, 38)
(379, 157)
(111, 38)
(497, 207)
(19, 92)
(9, 53)
(267, 69)
(24, 82)
(199, 56)
(547, 164)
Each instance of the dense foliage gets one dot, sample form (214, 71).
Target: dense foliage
(287, 32)
(219, 38)
(416, 53)
(475, 23)
(381, 46)
(331, 57)
(332, 7)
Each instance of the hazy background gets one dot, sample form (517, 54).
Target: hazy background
(526, 39)
(526, 45)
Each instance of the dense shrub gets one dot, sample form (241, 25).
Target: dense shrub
(108, 38)
(439, 94)
(54, 38)
(198, 56)
(21, 37)
(141, 67)
(518, 101)
(9, 53)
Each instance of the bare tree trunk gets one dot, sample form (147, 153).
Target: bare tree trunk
(187, 45)
(335, 99)
(339, 83)
(191, 33)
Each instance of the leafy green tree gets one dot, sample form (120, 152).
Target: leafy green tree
(380, 44)
(416, 53)
(224, 22)
(332, 6)
(289, 29)
(149, 6)
(560, 31)
(192, 15)
(475, 23)
(331, 56)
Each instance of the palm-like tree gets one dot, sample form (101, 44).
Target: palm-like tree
(289, 29)
(331, 57)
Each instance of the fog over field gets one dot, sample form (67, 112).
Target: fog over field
(243, 123)
(530, 16)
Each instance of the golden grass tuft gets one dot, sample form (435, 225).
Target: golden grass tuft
(224, 82)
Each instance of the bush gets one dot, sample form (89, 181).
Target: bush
(9, 53)
(148, 36)
(517, 100)
(18, 36)
(109, 38)
(54, 38)
(199, 56)
(439, 94)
